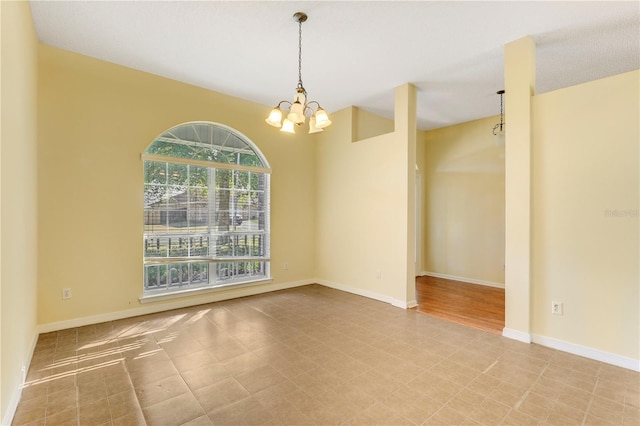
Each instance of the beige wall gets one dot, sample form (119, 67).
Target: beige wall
(463, 209)
(95, 118)
(361, 213)
(366, 125)
(18, 171)
(421, 217)
(584, 253)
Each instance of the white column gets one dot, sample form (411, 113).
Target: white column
(405, 132)
(519, 69)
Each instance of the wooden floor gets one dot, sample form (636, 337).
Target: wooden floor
(473, 305)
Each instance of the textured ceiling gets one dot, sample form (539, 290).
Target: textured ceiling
(354, 52)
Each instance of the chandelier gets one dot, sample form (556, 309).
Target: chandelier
(299, 110)
(498, 129)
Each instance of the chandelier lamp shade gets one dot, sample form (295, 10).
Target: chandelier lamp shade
(300, 109)
(498, 129)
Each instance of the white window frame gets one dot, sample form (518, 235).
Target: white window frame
(212, 260)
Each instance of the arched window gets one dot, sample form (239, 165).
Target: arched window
(206, 210)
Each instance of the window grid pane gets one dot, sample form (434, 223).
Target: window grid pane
(193, 211)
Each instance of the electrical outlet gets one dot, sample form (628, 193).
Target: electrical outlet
(378, 275)
(66, 293)
(286, 266)
(556, 308)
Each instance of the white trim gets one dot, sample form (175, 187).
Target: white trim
(17, 393)
(153, 308)
(463, 279)
(157, 297)
(12, 406)
(369, 294)
(208, 259)
(516, 335)
(412, 304)
(591, 353)
(241, 135)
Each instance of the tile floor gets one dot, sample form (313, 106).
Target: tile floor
(312, 355)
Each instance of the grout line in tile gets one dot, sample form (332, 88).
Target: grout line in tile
(592, 394)
(133, 388)
(490, 367)
(75, 380)
(520, 401)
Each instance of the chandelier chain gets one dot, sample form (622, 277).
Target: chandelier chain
(501, 112)
(300, 109)
(300, 55)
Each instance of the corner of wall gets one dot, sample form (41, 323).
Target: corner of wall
(18, 201)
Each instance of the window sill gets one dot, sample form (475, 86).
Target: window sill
(148, 298)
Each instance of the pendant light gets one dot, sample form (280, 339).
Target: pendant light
(299, 110)
(498, 129)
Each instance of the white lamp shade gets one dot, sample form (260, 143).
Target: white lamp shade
(322, 119)
(287, 126)
(275, 117)
(312, 125)
(296, 114)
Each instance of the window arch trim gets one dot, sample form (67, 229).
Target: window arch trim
(230, 130)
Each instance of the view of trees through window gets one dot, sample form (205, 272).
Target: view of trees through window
(206, 209)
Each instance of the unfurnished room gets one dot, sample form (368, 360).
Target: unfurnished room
(320, 213)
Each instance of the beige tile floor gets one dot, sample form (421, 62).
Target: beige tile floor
(312, 355)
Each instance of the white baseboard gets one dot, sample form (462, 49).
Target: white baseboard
(404, 305)
(606, 357)
(572, 348)
(463, 279)
(369, 294)
(17, 393)
(516, 335)
(215, 297)
(595, 354)
(177, 304)
(13, 406)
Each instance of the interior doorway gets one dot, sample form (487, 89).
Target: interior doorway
(462, 230)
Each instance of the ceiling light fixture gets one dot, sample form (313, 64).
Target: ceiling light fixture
(498, 129)
(299, 109)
